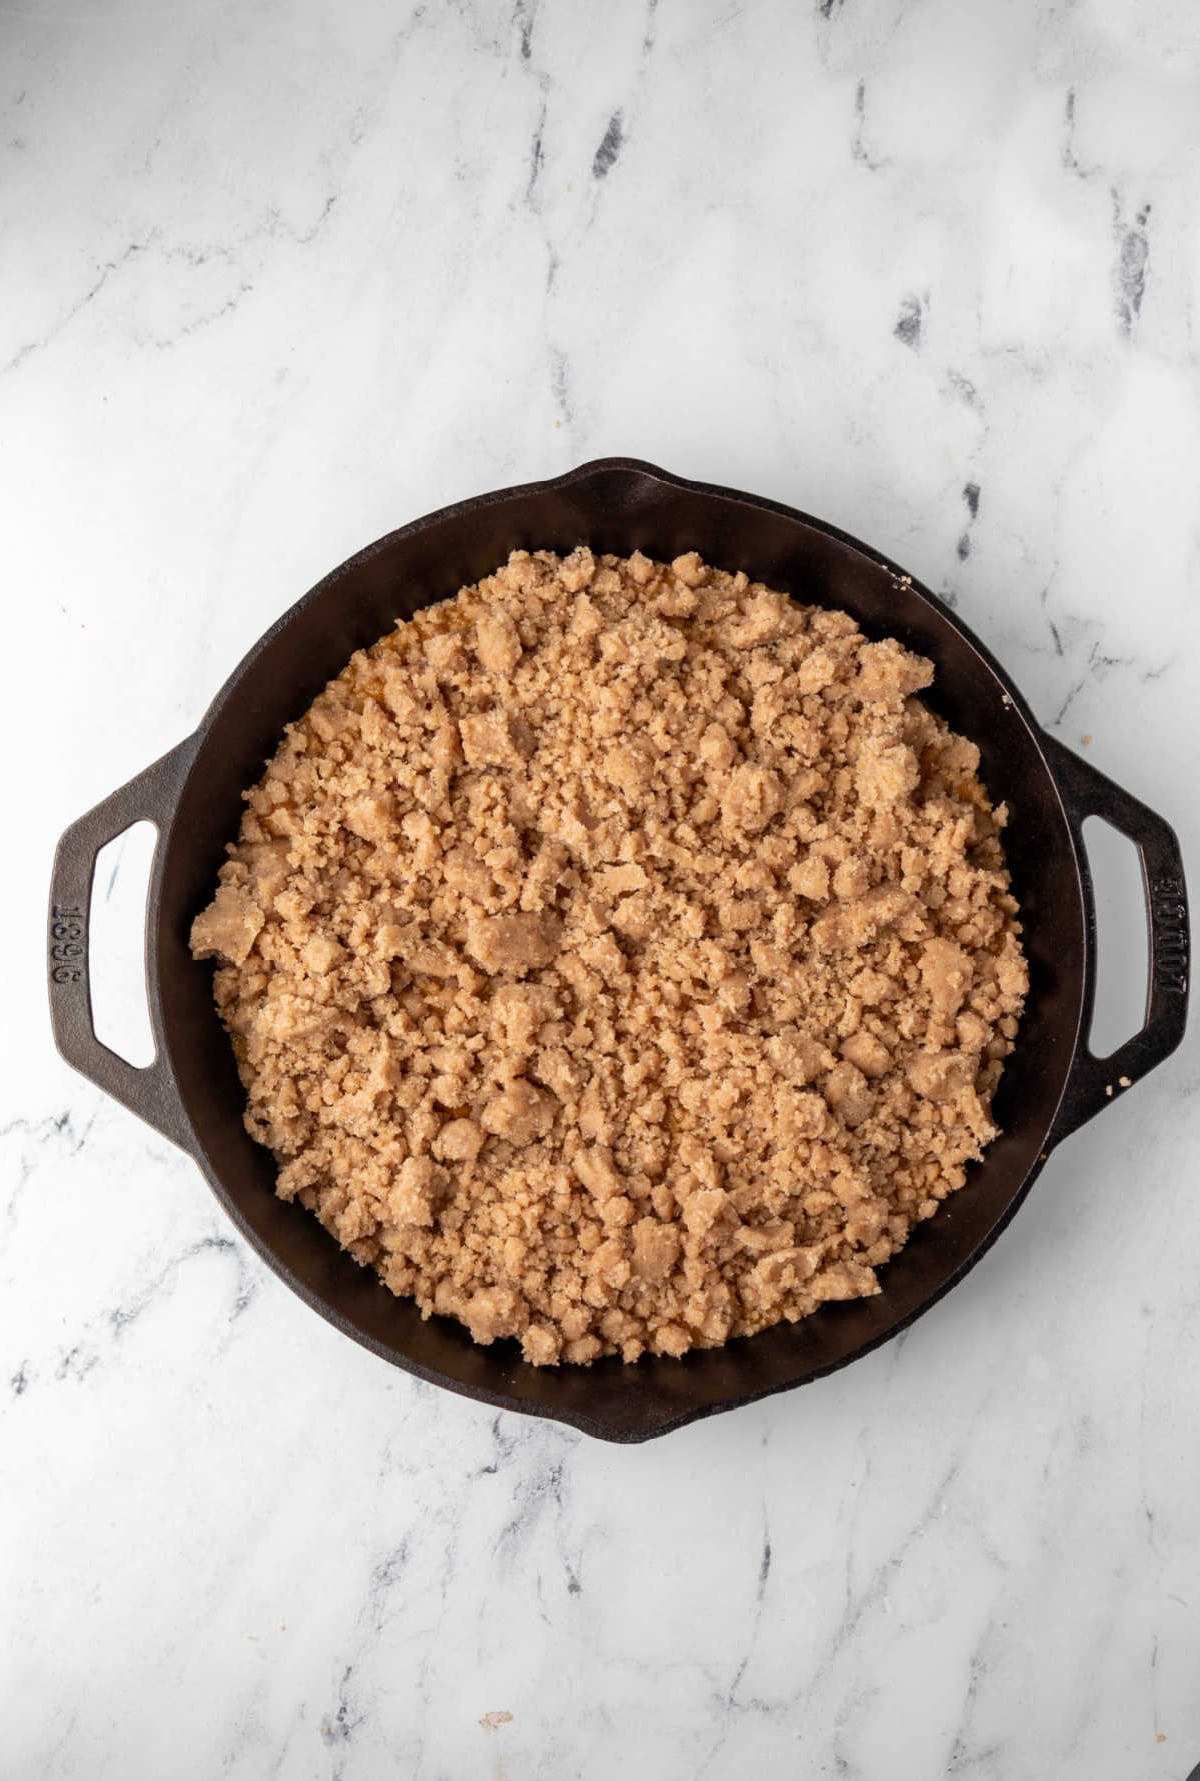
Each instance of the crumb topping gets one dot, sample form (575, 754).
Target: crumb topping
(620, 956)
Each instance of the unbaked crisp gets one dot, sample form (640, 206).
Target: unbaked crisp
(619, 956)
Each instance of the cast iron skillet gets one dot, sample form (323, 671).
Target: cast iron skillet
(1051, 1084)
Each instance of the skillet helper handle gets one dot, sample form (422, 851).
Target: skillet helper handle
(1093, 1081)
(151, 1092)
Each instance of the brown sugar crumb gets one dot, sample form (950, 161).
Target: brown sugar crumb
(620, 957)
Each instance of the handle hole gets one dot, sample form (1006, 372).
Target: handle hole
(117, 944)
(1122, 946)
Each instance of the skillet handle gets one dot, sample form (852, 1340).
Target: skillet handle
(151, 1092)
(1094, 1081)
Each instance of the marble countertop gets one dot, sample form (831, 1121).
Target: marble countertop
(280, 278)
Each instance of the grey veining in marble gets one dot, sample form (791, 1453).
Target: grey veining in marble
(279, 277)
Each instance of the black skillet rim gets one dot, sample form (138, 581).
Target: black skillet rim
(585, 473)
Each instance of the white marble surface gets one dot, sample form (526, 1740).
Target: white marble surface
(279, 277)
